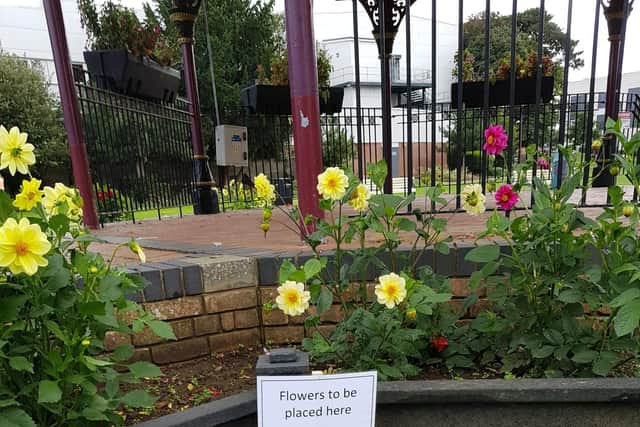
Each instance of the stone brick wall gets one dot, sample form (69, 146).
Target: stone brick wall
(215, 303)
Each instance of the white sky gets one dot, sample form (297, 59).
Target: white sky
(582, 25)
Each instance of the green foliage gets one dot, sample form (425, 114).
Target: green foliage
(337, 148)
(54, 367)
(526, 39)
(113, 26)
(25, 101)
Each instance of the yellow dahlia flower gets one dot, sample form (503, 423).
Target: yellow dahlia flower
(22, 246)
(30, 195)
(292, 299)
(360, 198)
(332, 184)
(16, 153)
(391, 290)
(264, 189)
(55, 197)
(472, 199)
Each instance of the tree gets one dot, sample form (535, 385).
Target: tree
(526, 39)
(25, 101)
(243, 35)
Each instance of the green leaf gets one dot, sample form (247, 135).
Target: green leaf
(20, 363)
(570, 296)
(162, 329)
(605, 362)
(324, 301)
(15, 417)
(585, 356)
(96, 362)
(10, 306)
(49, 392)
(123, 353)
(6, 207)
(378, 173)
(543, 352)
(145, 370)
(94, 414)
(312, 267)
(553, 336)
(627, 319)
(483, 254)
(405, 224)
(93, 308)
(286, 269)
(459, 361)
(138, 399)
(625, 297)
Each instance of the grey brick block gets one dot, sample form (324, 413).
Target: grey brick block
(191, 276)
(154, 291)
(171, 279)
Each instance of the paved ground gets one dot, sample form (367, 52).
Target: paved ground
(239, 231)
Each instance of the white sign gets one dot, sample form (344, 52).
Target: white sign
(343, 400)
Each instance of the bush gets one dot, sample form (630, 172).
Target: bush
(59, 302)
(337, 148)
(25, 100)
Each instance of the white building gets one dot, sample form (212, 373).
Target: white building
(24, 32)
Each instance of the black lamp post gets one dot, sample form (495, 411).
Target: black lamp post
(386, 16)
(183, 14)
(616, 13)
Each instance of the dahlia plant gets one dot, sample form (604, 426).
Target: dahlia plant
(58, 302)
(391, 327)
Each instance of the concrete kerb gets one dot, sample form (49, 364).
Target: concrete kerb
(530, 402)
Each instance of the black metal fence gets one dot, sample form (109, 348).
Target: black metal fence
(140, 153)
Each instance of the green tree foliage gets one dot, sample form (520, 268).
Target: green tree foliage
(526, 38)
(25, 101)
(243, 34)
(337, 148)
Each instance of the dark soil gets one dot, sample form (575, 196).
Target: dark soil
(195, 382)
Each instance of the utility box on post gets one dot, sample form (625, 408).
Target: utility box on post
(231, 146)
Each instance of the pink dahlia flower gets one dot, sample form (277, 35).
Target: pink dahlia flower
(495, 140)
(506, 198)
(543, 163)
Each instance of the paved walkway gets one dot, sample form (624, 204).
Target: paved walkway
(238, 232)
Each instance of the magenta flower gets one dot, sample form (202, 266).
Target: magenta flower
(495, 140)
(506, 198)
(543, 163)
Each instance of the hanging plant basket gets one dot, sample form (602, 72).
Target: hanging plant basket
(266, 99)
(119, 71)
(499, 92)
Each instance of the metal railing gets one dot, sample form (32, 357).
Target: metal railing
(140, 153)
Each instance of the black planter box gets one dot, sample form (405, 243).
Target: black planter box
(473, 92)
(265, 99)
(119, 71)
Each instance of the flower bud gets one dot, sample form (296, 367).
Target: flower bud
(557, 206)
(628, 209)
(614, 170)
(265, 226)
(596, 145)
(267, 214)
(86, 343)
(93, 270)
(411, 313)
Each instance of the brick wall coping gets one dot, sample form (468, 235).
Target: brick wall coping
(211, 271)
(572, 395)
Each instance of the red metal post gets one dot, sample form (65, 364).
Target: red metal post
(305, 105)
(70, 109)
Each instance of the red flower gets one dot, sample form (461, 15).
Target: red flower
(495, 140)
(110, 194)
(214, 391)
(100, 195)
(506, 198)
(543, 163)
(439, 343)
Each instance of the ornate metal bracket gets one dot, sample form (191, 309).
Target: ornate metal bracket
(183, 13)
(394, 11)
(616, 12)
